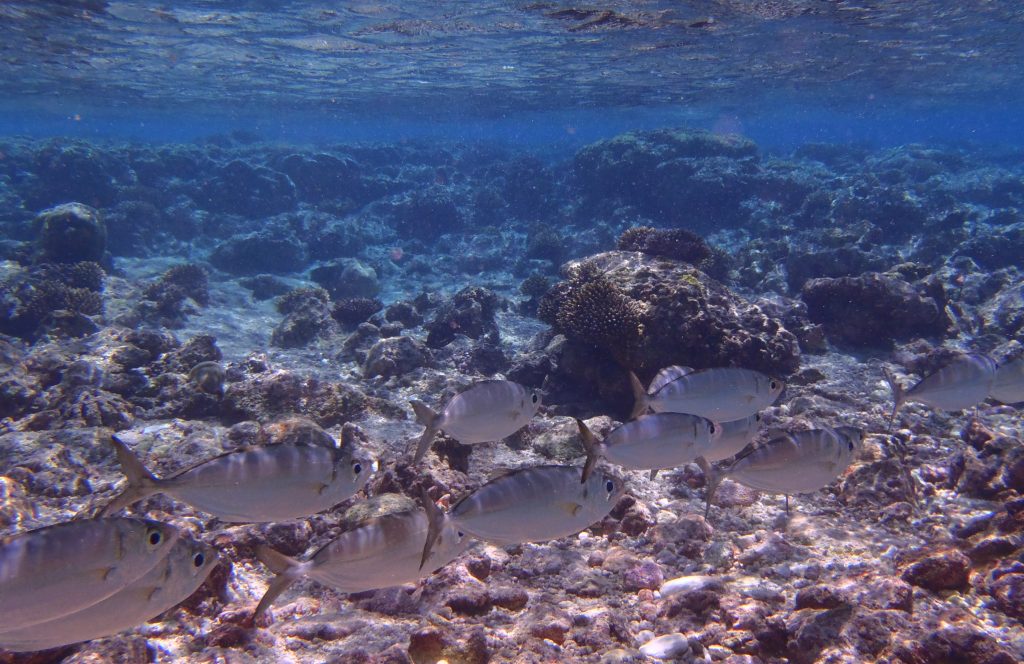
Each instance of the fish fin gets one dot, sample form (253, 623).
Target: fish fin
(435, 522)
(571, 508)
(713, 478)
(283, 567)
(642, 402)
(898, 396)
(428, 418)
(105, 572)
(654, 473)
(141, 482)
(592, 447)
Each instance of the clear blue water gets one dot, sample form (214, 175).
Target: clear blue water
(531, 72)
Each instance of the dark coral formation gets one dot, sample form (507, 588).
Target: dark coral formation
(675, 243)
(165, 300)
(873, 310)
(352, 311)
(308, 316)
(469, 312)
(71, 233)
(646, 313)
(37, 300)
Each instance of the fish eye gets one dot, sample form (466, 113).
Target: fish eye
(535, 397)
(461, 534)
(757, 417)
(849, 443)
(774, 385)
(609, 486)
(155, 537)
(357, 467)
(711, 427)
(198, 560)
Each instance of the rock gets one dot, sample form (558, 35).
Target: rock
(469, 312)
(821, 597)
(265, 251)
(626, 310)
(942, 571)
(962, 644)
(670, 646)
(395, 356)
(424, 214)
(460, 645)
(874, 310)
(510, 598)
(470, 601)
(71, 233)
(247, 190)
(1008, 593)
(811, 631)
(346, 278)
(323, 176)
(645, 575)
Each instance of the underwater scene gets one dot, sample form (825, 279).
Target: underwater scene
(516, 332)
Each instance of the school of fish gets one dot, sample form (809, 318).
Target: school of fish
(94, 577)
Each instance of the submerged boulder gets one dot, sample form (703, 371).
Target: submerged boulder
(874, 310)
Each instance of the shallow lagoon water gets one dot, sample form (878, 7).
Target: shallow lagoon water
(434, 179)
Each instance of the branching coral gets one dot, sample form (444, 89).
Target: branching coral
(675, 243)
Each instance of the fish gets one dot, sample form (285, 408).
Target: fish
(1008, 385)
(533, 504)
(966, 381)
(168, 583)
(798, 462)
(734, 436)
(381, 552)
(253, 485)
(651, 442)
(54, 571)
(487, 411)
(209, 377)
(721, 394)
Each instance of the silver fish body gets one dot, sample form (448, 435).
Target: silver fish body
(966, 381)
(536, 504)
(380, 553)
(798, 462)
(260, 484)
(49, 573)
(487, 411)
(170, 582)
(652, 442)
(734, 436)
(1008, 385)
(721, 394)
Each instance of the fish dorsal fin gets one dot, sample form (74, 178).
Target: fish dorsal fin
(666, 376)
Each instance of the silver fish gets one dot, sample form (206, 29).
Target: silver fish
(1008, 386)
(531, 505)
(487, 411)
(379, 553)
(651, 442)
(794, 463)
(54, 571)
(734, 436)
(964, 382)
(720, 395)
(168, 583)
(253, 485)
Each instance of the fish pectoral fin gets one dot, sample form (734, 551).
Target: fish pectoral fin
(320, 488)
(571, 508)
(107, 572)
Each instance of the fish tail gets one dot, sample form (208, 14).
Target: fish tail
(426, 416)
(593, 448)
(641, 401)
(898, 396)
(287, 571)
(141, 482)
(713, 479)
(435, 522)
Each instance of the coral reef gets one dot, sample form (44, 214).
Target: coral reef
(71, 233)
(469, 312)
(307, 316)
(874, 310)
(36, 300)
(675, 243)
